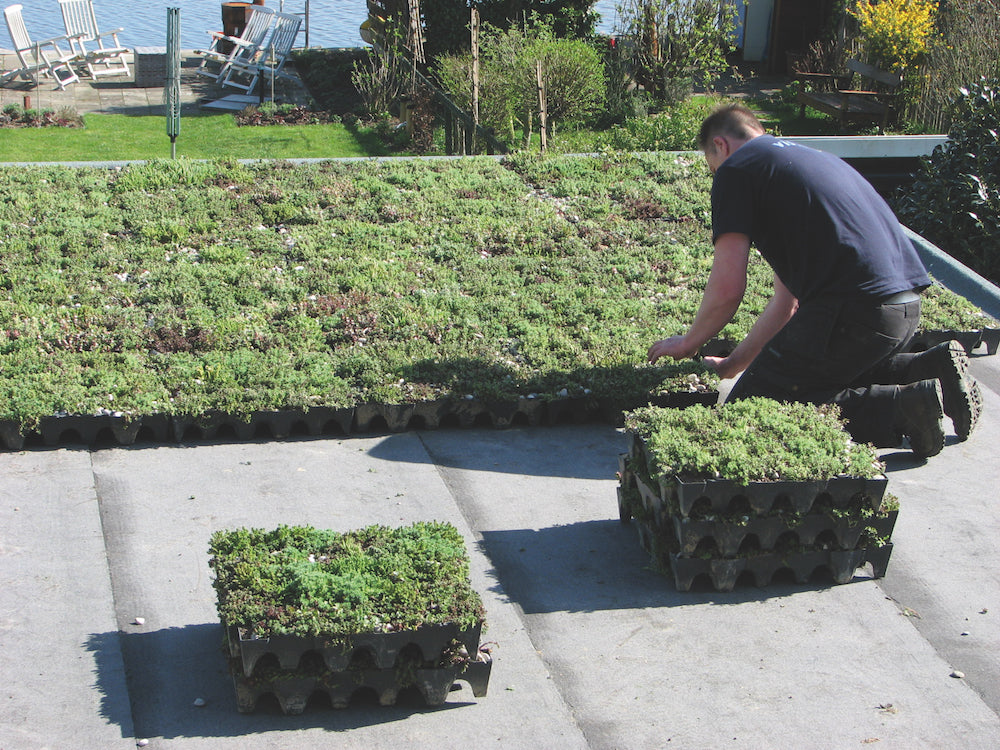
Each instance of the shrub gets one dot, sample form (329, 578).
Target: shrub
(500, 99)
(674, 129)
(572, 70)
(675, 45)
(895, 33)
(380, 78)
(955, 199)
(966, 48)
(574, 77)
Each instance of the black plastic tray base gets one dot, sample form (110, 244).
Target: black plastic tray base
(697, 498)
(753, 548)
(113, 430)
(293, 690)
(380, 650)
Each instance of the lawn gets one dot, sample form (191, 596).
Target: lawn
(203, 136)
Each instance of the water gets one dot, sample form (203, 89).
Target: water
(332, 23)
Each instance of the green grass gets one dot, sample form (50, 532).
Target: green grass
(124, 137)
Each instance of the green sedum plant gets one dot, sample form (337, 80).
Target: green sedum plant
(752, 440)
(304, 581)
(183, 287)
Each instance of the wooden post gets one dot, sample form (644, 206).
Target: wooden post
(449, 146)
(474, 26)
(542, 114)
(406, 117)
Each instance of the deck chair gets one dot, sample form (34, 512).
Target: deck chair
(90, 44)
(44, 57)
(270, 59)
(215, 63)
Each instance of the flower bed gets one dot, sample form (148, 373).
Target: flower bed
(306, 611)
(16, 116)
(802, 496)
(269, 113)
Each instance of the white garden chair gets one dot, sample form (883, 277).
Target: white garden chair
(270, 59)
(45, 57)
(100, 57)
(245, 47)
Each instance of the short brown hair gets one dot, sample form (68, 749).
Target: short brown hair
(732, 120)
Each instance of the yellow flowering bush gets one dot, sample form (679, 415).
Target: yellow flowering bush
(896, 33)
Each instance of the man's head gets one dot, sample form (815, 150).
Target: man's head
(725, 130)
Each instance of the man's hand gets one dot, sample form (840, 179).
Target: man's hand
(724, 290)
(724, 366)
(676, 347)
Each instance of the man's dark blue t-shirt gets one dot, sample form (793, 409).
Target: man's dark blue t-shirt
(819, 223)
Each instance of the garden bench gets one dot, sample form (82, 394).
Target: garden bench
(853, 105)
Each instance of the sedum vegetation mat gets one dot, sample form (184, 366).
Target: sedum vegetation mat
(751, 440)
(302, 581)
(746, 490)
(184, 288)
(309, 610)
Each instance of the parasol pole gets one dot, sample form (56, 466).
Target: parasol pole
(172, 91)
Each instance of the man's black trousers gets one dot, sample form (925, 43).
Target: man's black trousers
(849, 352)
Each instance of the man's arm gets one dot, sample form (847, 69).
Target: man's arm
(723, 293)
(778, 311)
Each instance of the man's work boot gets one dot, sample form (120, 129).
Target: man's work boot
(918, 413)
(963, 401)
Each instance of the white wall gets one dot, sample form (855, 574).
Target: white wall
(757, 29)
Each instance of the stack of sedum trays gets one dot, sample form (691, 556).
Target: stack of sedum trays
(310, 613)
(725, 531)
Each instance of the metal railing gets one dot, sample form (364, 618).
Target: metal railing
(304, 29)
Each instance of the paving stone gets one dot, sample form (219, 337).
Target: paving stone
(124, 95)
